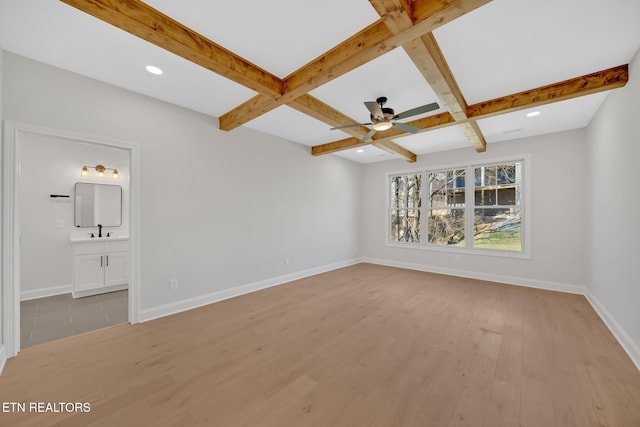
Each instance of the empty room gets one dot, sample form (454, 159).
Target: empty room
(340, 213)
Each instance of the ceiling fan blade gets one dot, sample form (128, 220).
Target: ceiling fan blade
(376, 111)
(350, 126)
(368, 136)
(407, 128)
(418, 110)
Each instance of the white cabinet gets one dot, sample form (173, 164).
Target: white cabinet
(100, 266)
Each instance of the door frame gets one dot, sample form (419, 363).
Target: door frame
(10, 344)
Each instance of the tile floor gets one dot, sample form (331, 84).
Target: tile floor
(52, 318)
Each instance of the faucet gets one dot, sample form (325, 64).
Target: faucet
(99, 230)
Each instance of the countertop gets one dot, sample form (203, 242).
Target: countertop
(83, 239)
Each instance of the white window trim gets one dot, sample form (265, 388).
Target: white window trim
(525, 186)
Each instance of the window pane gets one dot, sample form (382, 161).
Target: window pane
(485, 197)
(437, 189)
(446, 188)
(455, 178)
(405, 191)
(446, 226)
(497, 228)
(485, 175)
(506, 173)
(405, 225)
(507, 196)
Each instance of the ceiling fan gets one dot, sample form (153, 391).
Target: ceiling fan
(383, 118)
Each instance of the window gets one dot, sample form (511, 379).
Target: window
(497, 218)
(405, 208)
(484, 212)
(446, 207)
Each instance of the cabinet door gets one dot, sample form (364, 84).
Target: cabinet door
(89, 271)
(116, 268)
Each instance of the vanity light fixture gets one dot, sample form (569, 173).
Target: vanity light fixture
(100, 171)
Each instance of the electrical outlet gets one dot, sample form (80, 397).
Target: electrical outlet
(173, 284)
(286, 262)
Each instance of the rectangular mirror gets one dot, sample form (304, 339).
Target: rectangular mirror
(97, 204)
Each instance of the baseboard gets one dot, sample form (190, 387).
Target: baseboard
(509, 280)
(627, 343)
(45, 292)
(3, 357)
(190, 303)
(97, 291)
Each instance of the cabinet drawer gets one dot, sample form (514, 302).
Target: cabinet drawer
(116, 246)
(88, 248)
(100, 247)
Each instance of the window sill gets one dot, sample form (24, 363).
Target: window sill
(461, 250)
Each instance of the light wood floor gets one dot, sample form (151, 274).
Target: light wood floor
(361, 346)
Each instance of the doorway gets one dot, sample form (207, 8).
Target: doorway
(18, 282)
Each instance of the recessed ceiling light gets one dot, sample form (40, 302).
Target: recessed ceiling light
(533, 114)
(154, 70)
(359, 150)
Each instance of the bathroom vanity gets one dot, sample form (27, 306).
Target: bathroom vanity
(100, 258)
(100, 265)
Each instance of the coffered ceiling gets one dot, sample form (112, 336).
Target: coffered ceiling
(296, 69)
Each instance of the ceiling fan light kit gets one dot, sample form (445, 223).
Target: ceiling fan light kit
(381, 126)
(383, 118)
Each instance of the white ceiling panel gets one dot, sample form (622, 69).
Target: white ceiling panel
(367, 154)
(279, 36)
(560, 116)
(392, 75)
(509, 46)
(449, 138)
(295, 126)
(57, 34)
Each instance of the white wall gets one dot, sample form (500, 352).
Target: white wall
(614, 152)
(218, 210)
(558, 220)
(51, 165)
(3, 352)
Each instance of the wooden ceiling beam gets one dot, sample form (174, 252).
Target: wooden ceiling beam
(599, 81)
(149, 24)
(335, 146)
(433, 122)
(429, 60)
(588, 84)
(427, 15)
(317, 109)
(366, 45)
(396, 150)
(472, 131)
(349, 143)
